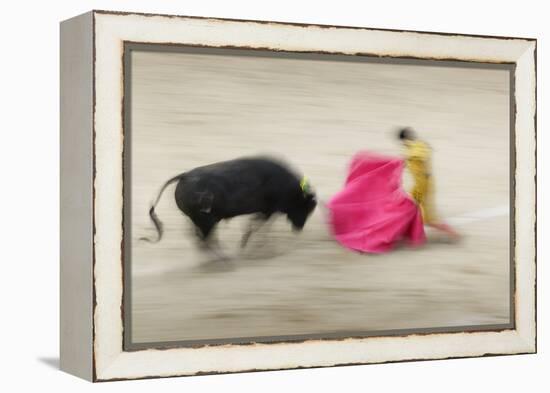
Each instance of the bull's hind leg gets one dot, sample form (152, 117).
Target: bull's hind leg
(204, 225)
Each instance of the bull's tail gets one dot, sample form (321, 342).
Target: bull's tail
(153, 215)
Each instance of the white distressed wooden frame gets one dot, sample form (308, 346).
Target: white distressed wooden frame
(92, 195)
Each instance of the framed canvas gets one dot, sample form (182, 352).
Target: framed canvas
(244, 195)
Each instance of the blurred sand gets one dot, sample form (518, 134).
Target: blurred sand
(191, 110)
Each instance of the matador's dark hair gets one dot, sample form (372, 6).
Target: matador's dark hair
(405, 133)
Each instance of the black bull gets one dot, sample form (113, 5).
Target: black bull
(263, 186)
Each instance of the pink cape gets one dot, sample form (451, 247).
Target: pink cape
(373, 212)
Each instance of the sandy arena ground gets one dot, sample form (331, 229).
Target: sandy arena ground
(191, 110)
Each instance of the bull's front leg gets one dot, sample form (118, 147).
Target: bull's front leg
(253, 225)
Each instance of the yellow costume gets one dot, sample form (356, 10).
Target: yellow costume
(418, 158)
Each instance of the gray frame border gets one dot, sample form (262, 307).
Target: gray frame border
(129, 46)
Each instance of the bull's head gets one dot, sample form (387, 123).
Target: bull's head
(303, 206)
